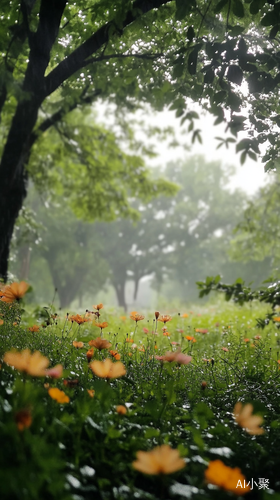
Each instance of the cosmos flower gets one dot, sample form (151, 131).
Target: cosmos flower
(90, 354)
(243, 416)
(226, 477)
(34, 328)
(136, 316)
(164, 318)
(98, 307)
(161, 460)
(100, 343)
(115, 354)
(77, 319)
(108, 369)
(34, 364)
(78, 345)
(58, 395)
(15, 291)
(101, 325)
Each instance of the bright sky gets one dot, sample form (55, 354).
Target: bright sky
(249, 177)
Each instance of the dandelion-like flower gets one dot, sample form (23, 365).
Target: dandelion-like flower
(226, 477)
(243, 416)
(161, 460)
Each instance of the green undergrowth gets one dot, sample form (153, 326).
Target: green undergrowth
(84, 449)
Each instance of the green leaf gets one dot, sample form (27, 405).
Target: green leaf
(235, 74)
(220, 5)
(238, 9)
(270, 19)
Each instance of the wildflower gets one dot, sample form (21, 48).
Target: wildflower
(175, 343)
(161, 460)
(224, 349)
(108, 369)
(277, 319)
(115, 354)
(141, 349)
(129, 340)
(217, 324)
(145, 330)
(58, 395)
(34, 328)
(226, 477)
(77, 319)
(78, 345)
(188, 337)
(123, 318)
(23, 419)
(257, 337)
(34, 364)
(201, 330)
(185, 315)
(156, 315)
(243, 416)
(164, 318)
(246, 340)
(203, 385)
(89, 354)
(136, 316)
(13, 292)
(177, 356)
(71, 382)
(101, 325)
(1, 322)
(91, 392)
(98, 307)
(121, 409)
(100, 343)
(55, 372)
(166, 333)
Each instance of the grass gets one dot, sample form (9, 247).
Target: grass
(85, 449)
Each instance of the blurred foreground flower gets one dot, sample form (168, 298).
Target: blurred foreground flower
(78, 345)
(201, 330)
(243, 416)
(100, 343)
(177, 356)
(34, 364)
(226, 477)
(55, 372)
(108, 369)
(90, 354)
(58, 395)
(121, 409)
(23, 419)
(34, 328)
(15, 291)
(161, 460)
(91, 392)
(136, 316)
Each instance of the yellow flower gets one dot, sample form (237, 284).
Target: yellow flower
(226, 477)
(58, 395)
(243, 416)
(108, 369)
(34, 364)
(13, 292)
(160, 460)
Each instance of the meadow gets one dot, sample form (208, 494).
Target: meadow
(173, 404)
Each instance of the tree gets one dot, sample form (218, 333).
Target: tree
(59, 56)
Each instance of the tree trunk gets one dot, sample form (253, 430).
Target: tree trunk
(120, 292)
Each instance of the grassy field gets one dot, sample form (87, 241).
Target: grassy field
(75, 432)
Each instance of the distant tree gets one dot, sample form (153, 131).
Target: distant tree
(59, 56)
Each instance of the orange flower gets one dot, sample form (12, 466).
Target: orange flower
(55, 372)
(203, 385)
(34, 328)
(226, 477)
(77, 319)
(15, 291)
(136, 316)
(78, 345)
(108, 369)
(100, 343)
(277, 319)
(91, 392)
(176, 356)
(90, 353)
(201, 330)
(224, 349)
(129, 340)
(58, 395)
(243, 416)
(98, 307)
(23, 419)
(164, 318)
(257, 337)
(188, 337)
(185, 315)
(123, 318)
(1, 322)
(246, 340)
(166, 334)
(115, 354)
(101, 325)
(34, 364)
(121, 409)
(161, 460)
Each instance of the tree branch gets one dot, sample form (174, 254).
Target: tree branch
(78, 58)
